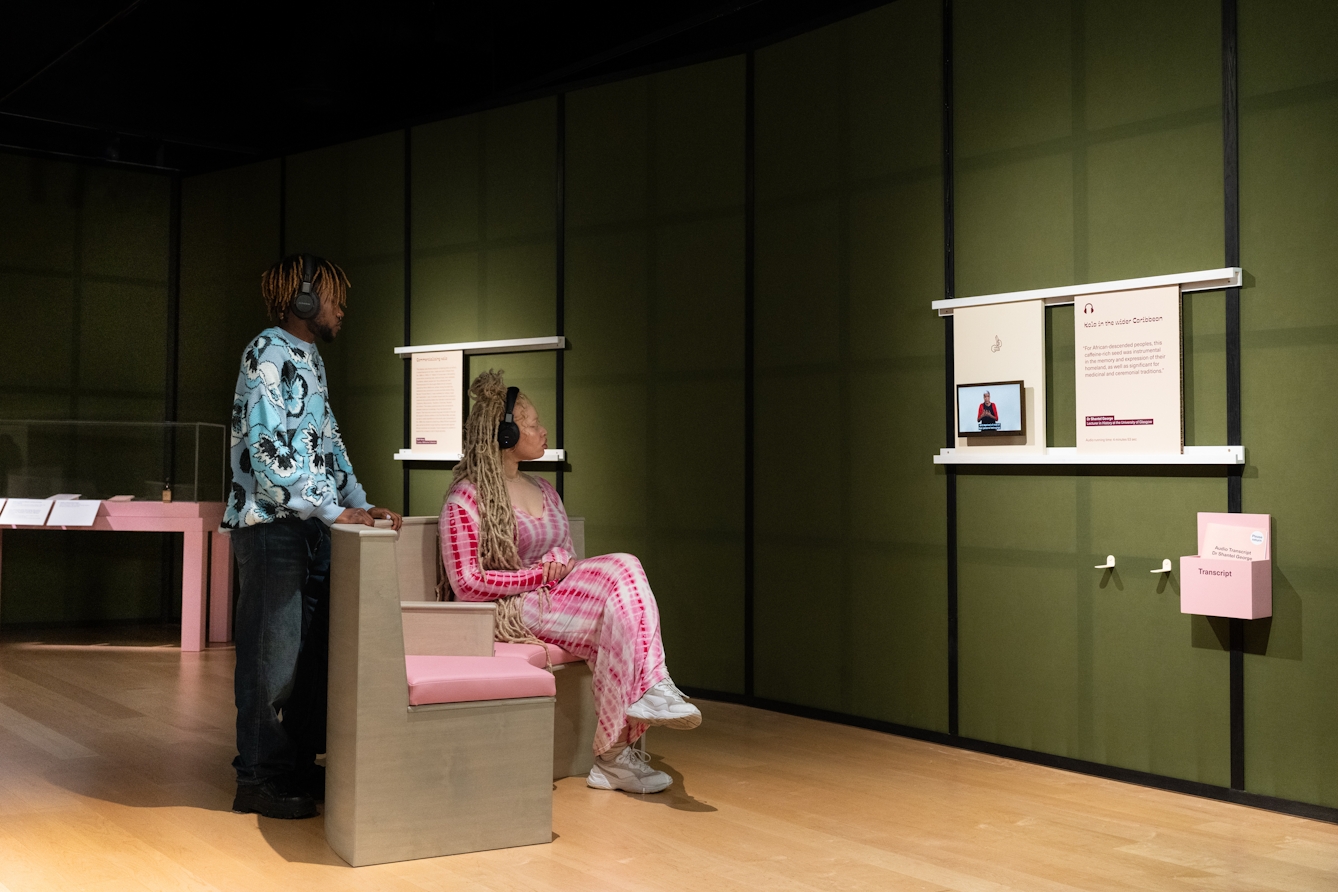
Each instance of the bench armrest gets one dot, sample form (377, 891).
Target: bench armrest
(448, 628)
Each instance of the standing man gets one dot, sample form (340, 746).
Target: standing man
(291, 479)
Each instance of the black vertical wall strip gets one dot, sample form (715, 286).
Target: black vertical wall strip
(408, 303)
(953, 727)
(949, 287)
(1231, 218)
(949, 268)
(173, 316)
(749, 292)
(560, 298)
(283, 206)
(172, 388)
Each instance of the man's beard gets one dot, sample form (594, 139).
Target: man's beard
(322, 331)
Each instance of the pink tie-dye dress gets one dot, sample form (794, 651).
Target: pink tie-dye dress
(603, 610)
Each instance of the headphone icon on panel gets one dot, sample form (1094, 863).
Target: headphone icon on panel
(1088, 308)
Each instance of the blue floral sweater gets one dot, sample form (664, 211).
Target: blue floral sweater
(288, 459)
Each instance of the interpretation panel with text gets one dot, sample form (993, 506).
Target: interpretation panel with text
(437, 401)
(1128, 372)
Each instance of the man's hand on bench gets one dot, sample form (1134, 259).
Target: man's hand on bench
(370, 516)
(386, 514)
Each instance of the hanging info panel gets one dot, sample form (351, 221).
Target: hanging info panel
(1127, 364)
(437, 401)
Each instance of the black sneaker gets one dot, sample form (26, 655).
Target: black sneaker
(310, 780)
(274, 799)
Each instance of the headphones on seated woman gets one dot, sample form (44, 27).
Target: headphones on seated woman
(508, 432)
(306, 302)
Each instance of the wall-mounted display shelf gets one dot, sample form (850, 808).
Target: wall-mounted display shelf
(513, 345)
(550, 455)
(1128, 391)
(442, 417)
(1203, 280)
(1069, 455)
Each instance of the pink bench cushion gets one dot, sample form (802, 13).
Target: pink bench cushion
(534, 654)
(464, 679)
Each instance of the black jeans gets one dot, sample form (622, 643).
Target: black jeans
(282, 629)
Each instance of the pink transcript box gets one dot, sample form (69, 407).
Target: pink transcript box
(1224, 587)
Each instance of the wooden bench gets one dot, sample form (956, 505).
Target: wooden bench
(574, 719)
(432, 748)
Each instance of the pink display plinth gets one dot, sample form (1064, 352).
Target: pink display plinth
(1223, 587)
(206, 559)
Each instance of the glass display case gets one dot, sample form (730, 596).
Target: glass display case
(102, 459)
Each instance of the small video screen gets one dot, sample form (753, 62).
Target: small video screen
(994, 409)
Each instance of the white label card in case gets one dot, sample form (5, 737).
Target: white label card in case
(25, 512)
(72, 513)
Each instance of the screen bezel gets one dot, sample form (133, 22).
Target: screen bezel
(1022, 404)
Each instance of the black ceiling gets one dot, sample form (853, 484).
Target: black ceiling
(196, 86)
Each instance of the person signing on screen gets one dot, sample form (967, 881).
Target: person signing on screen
(988, 413)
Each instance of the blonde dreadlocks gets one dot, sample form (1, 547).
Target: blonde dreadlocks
(280, 282)
(481, 464)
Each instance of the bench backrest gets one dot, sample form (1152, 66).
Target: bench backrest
(416, 559)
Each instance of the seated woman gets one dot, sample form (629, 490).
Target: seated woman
(505, 538)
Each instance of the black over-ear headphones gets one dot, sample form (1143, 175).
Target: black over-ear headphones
(508, 432)
(306, 302)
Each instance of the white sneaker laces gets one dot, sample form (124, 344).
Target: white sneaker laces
(669, 691)
(635, 760)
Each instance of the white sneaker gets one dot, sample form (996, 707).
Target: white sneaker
(630, 772)
(665, 705)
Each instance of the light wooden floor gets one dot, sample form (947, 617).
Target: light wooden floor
(114, 775)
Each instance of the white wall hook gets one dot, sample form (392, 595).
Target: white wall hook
(1165, 566)
(1108, 565)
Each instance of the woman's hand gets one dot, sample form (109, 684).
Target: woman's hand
(554, 572)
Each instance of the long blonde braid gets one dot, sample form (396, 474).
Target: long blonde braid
(481, 464)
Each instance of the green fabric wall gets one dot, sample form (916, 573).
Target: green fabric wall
(654, 376)
(1289, 324)
(851, 574)
(485, 252)
(1089, 148)
(83, 309)
(229, 236)
(346, 204)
